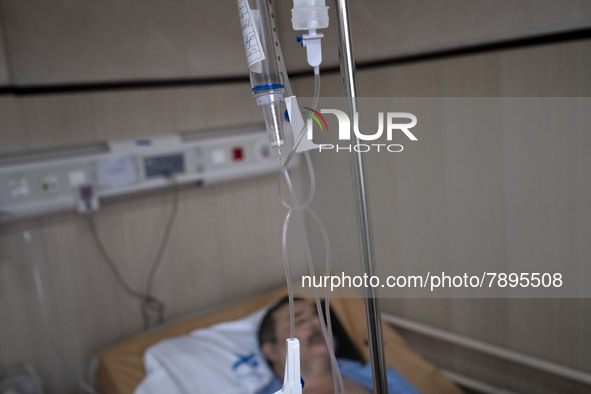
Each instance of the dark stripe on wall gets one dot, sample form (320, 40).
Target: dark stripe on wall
(533, 41)
(483, 48)
(123, 85)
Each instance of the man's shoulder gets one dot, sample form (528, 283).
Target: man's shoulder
(361, 373)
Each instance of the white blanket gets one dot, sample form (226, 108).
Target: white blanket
(222, 359)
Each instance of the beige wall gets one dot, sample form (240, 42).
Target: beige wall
(223, 238)
(385, 29)
(427, 208)
(4, 73)
(225, 235)
(65, 41)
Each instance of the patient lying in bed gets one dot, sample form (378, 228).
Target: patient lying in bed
(314, 356)
(215, 353)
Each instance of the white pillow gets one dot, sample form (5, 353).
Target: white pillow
(224, 358)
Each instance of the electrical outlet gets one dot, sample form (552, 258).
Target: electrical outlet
(19, 187)
(50, 183)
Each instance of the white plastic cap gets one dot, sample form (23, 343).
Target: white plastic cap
(309, 14)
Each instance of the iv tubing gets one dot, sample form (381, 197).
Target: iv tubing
(323, 325)
(49, 328)
(267, 7)
(40, 289)
(326, 327)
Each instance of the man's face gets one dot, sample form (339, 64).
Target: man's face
(307, 330)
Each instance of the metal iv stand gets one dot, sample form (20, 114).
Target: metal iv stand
(374, 319)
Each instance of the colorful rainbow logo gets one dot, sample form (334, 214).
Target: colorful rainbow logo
(315, 115)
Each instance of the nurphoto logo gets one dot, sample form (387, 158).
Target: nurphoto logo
(396, 122)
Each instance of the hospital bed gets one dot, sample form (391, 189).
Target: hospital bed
(120, 368)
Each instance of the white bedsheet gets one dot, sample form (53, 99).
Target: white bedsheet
(224, 358)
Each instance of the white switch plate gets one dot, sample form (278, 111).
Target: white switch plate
(19, 187)
(50, 183)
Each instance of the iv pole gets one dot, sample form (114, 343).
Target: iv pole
(374, 319)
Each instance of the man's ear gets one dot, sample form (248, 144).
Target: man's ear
(269, 349)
